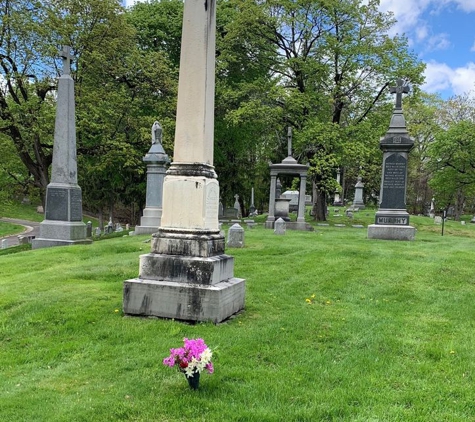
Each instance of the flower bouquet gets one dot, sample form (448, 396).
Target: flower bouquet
(191, 359)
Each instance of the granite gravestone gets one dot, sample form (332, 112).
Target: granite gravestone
(235, 236)
(358, 202)
(279, 226)
(156, 160)
(63, 223)
(187, 275)
(392, 219)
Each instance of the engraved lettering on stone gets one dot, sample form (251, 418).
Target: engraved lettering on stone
(394, 175)
(56, 204)
(399, 221)
(75, 205)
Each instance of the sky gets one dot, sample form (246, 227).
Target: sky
(442, 35)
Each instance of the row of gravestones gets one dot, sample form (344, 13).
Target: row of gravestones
(236, 233)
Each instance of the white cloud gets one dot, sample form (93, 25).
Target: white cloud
(441, 77)
(438, 42)
(465, 5)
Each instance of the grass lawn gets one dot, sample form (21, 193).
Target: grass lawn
(336, 327)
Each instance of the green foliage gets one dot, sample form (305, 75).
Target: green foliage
(452, 163)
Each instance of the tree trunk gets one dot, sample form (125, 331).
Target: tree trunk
(319, 209)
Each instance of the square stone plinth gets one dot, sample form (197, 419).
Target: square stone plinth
(186, 269)
(184, 301)
(389, 232)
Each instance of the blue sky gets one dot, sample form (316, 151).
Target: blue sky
(442, 34)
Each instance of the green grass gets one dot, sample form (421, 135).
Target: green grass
(336, 328)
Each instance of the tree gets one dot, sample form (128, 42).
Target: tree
(421, 111)
(118, 92)
(453, 165)
(333, 65)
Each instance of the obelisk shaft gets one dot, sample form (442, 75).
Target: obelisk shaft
(64, 166)
(195, 109)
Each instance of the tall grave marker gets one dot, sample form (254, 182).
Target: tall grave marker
(392, 219)
(187, 275)
(156, 160)
(63, 223)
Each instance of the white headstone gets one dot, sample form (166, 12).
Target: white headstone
(279, 226)
(235, 236)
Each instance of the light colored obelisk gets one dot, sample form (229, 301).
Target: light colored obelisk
(63, 223)
(187, 275)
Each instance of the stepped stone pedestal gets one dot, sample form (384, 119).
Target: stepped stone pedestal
(187, 274)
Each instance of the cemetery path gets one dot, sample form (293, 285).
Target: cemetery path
(32, 228)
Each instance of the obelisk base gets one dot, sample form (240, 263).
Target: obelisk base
(150, 221)
(61, 233)
(186, 277)
(391, 224)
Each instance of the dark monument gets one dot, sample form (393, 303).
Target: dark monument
(392, 219)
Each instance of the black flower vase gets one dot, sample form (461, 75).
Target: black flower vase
(194, 380)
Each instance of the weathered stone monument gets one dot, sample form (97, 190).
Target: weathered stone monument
(358, 201)
(337, 202)
(156, 160)
(236, 236)
(279, 226)
(187, 275)
(63, 223)
(252, 207)
(280, 206)
(392, 219)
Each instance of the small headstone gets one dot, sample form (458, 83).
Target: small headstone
(221, 231)
(23, 240)
(463, 223)
(279, 226)
(4, 243)
(127, 226)
(98, 231)
(250, 223)
(340, 225)
(235, 236)
(438, 219)
(40, 209)
(358, 226)
(89, 229)
(119, 228)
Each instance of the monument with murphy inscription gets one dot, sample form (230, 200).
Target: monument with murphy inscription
(392, 218)
(63, 223)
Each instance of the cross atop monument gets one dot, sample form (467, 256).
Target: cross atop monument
(67, 57)
(289, 141)
(399, 89)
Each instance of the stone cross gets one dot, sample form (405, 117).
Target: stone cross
(399, 89)
(289, 141)
(67, 57)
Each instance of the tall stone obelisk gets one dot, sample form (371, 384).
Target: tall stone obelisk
(392, 218)
(63, 223)
(187, 275)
